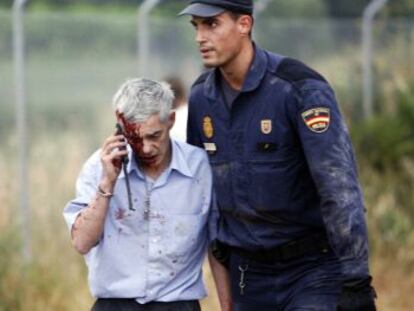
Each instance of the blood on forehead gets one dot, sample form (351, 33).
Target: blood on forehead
(131, 130)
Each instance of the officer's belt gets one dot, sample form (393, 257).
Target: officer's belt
(312, 245)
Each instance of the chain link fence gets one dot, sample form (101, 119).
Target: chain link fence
(76, 61)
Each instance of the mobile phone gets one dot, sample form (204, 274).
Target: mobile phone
(119, 131)
(125, 160)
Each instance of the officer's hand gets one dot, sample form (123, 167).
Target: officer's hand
(111, 157)
(357, 295)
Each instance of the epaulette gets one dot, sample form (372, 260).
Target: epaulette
(202, 77)
(293, 71)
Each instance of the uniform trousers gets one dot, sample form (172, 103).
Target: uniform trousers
(310, 283)
(119, 304)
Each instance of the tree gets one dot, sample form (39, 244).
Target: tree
(402, 8)
(355, 8)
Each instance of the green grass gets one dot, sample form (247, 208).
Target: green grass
(57, 273)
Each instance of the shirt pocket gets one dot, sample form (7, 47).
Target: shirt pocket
(187, 237)
(271, 180)
(184, 197)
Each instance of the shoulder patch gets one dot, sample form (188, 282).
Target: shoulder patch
(317, 119)
(202, 77)
(293, 70)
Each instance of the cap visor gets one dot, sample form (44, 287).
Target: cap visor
(202, 10)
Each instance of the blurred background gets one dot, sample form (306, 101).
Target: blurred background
(77, 53)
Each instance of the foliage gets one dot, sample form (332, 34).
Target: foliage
(387, 138)
(10, 284)
(297, 8)
(345, 8)
(400, 8)
(65, 3)
(385, 148)
(6, 3)
(306, 8)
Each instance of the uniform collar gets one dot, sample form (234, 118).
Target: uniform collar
(253, 78)
(256, 71)
(177, 163)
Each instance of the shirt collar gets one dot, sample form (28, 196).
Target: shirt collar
(177, 163)
(253, 78)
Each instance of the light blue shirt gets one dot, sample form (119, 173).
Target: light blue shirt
(154, 259)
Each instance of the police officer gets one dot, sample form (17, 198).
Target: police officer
(291, 230)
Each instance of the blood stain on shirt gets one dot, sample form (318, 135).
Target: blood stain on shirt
(120, 214)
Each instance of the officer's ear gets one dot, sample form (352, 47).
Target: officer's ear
(245, 24)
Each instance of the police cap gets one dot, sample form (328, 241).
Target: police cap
(209, 8)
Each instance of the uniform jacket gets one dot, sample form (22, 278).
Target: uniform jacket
(283, 164)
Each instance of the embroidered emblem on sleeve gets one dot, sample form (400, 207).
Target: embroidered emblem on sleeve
(317, 119)
(208, 129)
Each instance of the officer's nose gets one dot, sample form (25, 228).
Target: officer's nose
(200, 36)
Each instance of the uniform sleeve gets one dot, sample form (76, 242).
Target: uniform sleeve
(213, 218)
(193, 135)
(86, 186)
(328, 151)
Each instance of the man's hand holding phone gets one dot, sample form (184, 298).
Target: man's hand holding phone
(112, 153)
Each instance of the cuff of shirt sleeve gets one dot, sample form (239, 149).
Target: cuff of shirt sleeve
(71, 222)
(71, 212)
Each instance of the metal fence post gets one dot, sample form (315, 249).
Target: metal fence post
(368, 16)
(21, 124)
(143, 35)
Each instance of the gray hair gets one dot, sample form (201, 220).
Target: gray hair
(138, 99)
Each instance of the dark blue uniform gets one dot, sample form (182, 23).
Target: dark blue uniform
(284, 171)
